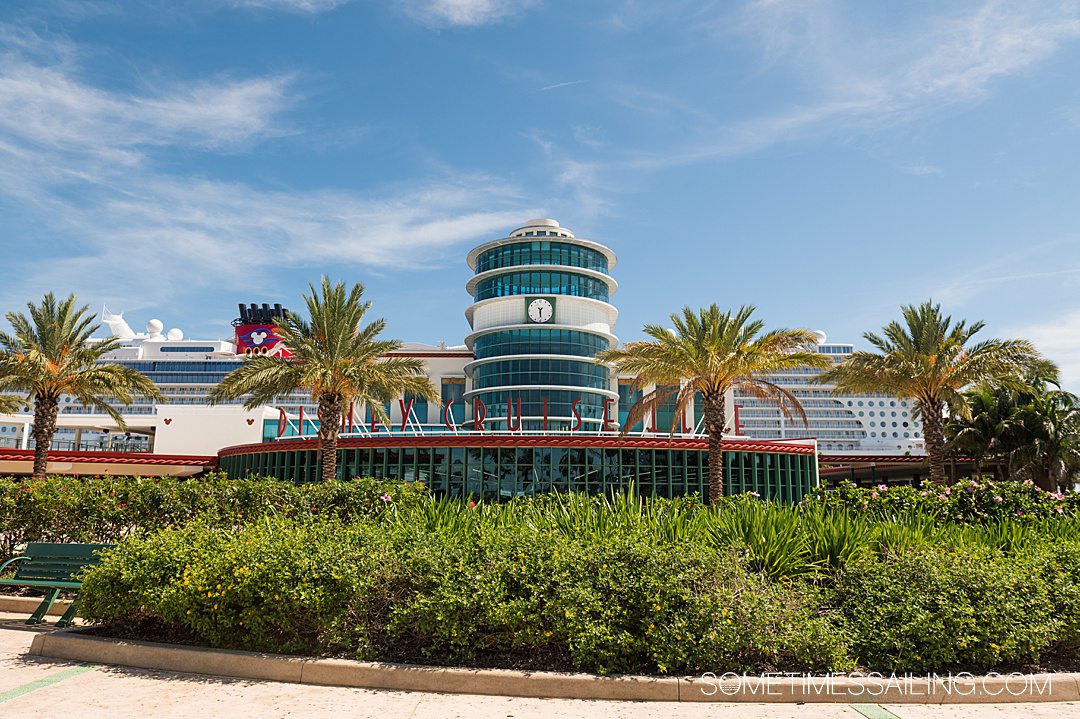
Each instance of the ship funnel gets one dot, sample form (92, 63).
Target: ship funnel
(119, 328)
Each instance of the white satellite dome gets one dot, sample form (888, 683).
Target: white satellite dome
(175, 334)
(154, 327)
(821, 336)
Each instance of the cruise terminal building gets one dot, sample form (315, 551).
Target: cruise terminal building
(525, 408)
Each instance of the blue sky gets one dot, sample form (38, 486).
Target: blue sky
(825, 161)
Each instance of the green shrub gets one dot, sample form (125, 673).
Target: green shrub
(966, 501)
(931, 608)
(107, 509)
(767, 534)
(275, 585)
(602, 584)
(880, 502)
(495, 592)
(834, 538)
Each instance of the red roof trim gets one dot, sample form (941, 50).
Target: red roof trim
(583, 442)
(882, 459)
(172, 460)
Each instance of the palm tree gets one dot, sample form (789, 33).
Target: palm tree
(709, 353)
(10, 404)
(50, 355)
(334, 360)
(990, 432)
(1051, 454)
(929, 358)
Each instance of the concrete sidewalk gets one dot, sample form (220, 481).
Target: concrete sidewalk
(35, 687)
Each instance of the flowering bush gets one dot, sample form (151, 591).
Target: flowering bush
(966, 501)
(971, 500)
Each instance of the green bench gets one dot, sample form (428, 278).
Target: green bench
(52, 567)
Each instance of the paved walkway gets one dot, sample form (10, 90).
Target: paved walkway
(36, 687)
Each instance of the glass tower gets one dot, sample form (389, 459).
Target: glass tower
(540, 314)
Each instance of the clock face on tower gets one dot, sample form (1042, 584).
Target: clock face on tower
(540, 310)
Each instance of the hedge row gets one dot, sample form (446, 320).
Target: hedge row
(966, 501)
(606, 586)
(108, 509)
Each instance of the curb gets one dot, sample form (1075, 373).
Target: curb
(18, 605)
(963, 689)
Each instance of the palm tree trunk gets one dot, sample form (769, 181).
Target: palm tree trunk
(330, 412)
(46, 410)
(934, 432)
(715, 420)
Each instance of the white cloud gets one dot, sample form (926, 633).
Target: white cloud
(79, 162)
(857, 79)
(1060, 341)
(557, 85)
(160, 237)
(45, 105)
(1024, 265)
(464, 13)
(922, 168)
(308, 6)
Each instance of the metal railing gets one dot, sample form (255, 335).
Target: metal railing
(68, 445)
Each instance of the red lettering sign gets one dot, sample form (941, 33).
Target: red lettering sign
(509, 418)
(606, 425)
(573, 408)
(479, 415)
(406, 410)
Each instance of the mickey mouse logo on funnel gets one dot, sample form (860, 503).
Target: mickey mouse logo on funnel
(256, 333)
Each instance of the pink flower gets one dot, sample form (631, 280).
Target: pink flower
(385, 498)
(948, 490)
(1060, 510)
(873, 495)
(882, 487)
(997, 498)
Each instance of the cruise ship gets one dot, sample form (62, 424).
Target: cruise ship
(538, 355)
(851, 424)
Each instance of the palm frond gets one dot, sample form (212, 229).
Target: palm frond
(706, 353)
(336, 358)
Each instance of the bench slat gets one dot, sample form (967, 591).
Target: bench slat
(52, 563)
(40, 583)
(56, 549)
